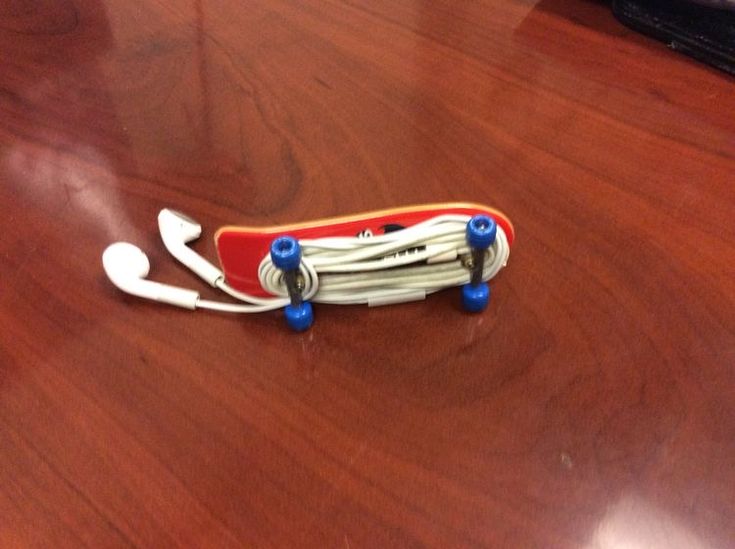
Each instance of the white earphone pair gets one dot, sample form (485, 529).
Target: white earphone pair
(127, 267)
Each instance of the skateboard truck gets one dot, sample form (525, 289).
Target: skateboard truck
(481, 232)
(286, 256)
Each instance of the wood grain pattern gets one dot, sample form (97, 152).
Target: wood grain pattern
(590, 406)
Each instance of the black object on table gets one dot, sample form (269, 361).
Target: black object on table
(703, 32)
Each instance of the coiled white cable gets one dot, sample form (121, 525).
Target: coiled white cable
(395, 267)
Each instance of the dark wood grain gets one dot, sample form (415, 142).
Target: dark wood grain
(590, 406)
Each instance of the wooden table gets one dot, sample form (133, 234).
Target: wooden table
(590, 406)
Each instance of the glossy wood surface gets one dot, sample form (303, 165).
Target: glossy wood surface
(590, 406)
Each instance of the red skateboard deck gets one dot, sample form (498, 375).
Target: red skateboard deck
(241, 249)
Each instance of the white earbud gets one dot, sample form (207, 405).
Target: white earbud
(176, 231)
(127, 266)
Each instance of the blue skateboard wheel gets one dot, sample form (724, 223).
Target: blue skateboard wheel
(481, 231)
(475, 297)
(286, 253)
(299, 317)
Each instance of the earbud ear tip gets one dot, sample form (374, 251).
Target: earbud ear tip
(125, 259)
